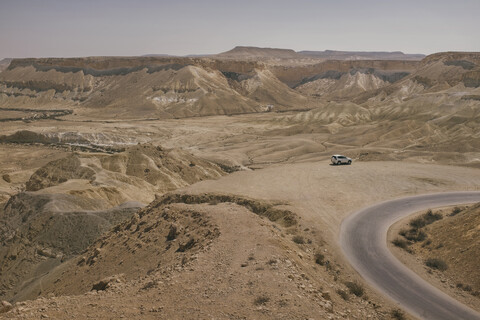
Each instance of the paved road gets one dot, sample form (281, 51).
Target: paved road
(363, 238)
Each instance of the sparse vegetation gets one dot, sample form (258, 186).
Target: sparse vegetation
(319, 258)
(455, 211)
(326, 296)
(464, 287)
(397, 314)
(400, 243)
(436, 263)
(6, 178)
(282, 303)
(431, 217)
(343, 294)
(261, 300)
(417, 223)
(298, 239)
(415, 234)
(427, 243)
(285, 218)
(428, 218)
(184, 247)
(172, 233)
(355, 288)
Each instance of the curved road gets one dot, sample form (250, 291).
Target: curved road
(363, 238)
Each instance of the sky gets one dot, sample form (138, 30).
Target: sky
(74, 28)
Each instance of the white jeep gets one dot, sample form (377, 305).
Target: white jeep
(339, 159)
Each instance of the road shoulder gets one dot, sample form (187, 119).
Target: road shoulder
(417, 264)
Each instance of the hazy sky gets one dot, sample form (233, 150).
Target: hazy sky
(64, 28)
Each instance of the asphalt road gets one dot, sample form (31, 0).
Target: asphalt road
(363, 238)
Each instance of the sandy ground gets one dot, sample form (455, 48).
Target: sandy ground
(325, 194)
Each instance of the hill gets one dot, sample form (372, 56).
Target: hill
(442, 245)
(361, 55)
(255, 53)
(40, 232)
(143, 87)
(4, 63)
(333, 69)
(173, 245)
(455, 239)
(71, 201)
(98, 142)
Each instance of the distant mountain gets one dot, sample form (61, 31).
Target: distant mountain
(240, 52)
(157, 55)
(361, 55)
(4, 63)
(257, 53)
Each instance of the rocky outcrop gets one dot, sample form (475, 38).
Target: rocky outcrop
(59, 171)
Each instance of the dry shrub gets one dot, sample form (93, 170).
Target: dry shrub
(343, 294)
(319, 258)
(398, 314)
(436, 263)
(261, 300)
(298, 239)
(355, 288)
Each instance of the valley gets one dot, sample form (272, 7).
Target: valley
(131, 185)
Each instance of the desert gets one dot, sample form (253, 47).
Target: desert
(202, 186)
(217, 180)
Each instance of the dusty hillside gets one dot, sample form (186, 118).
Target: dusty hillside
(57, 172)
(407, 116)
(4, 63)
(253, 263)
(169, 248)
(455, 239)
(134, 174)
(77, 198)
(244, 245)
(442, 246)
(344, 85)
(144, 87)
(455, 74)
(39, 232)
